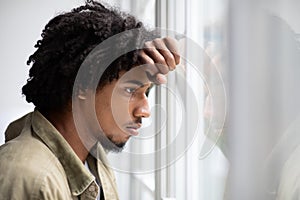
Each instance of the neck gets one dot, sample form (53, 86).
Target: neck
(64, 123)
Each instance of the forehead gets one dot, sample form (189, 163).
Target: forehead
(136, 75)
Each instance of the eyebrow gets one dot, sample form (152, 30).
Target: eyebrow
(140, 84)
(136, 82)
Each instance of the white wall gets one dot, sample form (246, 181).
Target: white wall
(21, 24)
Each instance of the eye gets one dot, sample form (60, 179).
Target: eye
(130, 90)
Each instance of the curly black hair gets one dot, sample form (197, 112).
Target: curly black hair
(66, 41)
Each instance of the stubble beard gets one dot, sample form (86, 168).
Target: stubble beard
(110, 145)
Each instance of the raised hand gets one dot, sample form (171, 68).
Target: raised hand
(162, 56)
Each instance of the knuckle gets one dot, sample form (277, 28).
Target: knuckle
(157, 40)
(148, 44)
(169, 39)
(151, 50)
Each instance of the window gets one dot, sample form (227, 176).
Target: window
(177, 156)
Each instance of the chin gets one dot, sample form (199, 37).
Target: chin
(112, 146)
(116, 147)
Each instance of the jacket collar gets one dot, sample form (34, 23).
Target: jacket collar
(78, 176)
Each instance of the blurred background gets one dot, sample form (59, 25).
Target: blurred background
(226, 124)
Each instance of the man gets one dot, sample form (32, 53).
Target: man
(49, 153)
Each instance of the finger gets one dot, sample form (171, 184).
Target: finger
(166, 53)
(144, 58)
(156, 78)
(160, 53)
(173, 47)
(150, 65)
(161, 79)
(157, 58)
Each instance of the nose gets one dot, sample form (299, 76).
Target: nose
(141, 108)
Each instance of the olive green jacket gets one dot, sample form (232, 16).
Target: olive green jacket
(36, 162)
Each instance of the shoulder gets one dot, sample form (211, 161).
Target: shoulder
(14, 129)
(29, 169)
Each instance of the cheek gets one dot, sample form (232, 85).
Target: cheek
(103, 112)
(112, 116)
(121, 107)
(103, 116)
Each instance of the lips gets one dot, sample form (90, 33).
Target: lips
(132, 129)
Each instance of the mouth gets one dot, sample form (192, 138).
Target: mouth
(132, 129)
